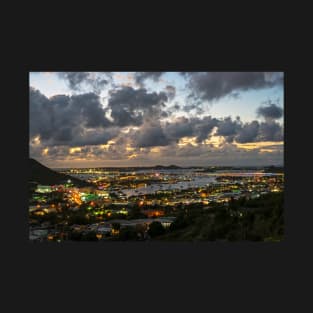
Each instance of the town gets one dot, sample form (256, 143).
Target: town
(137, 204)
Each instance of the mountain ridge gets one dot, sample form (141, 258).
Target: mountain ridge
(46, 176)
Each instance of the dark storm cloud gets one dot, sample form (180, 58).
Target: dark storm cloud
(203, 127)
(231, 129)
(63, 120)
(193, 102)
(74, 79)
(176, 107)
(131, 106)
(64, 135)
(164, 114)
(228, 127)
(95, 137)
(97, 81)
(182, 127)
(150, 136)
(140, 77)
(90, 108)
(248, 132)
(58, 152)
(171, 91)
(271, 111)
(35, 151)
(255, 132)
(190, 127)
(271, 131)
(215, 85)
(40, 115)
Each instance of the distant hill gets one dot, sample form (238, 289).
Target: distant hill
(274, 169)
(166, 167)
(45, 176)
(135, 168)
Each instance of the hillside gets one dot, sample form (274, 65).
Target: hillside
(260, 219)
(45, 176)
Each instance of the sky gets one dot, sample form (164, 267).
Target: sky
(92, 119)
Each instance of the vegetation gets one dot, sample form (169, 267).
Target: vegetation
(156, 229)
(44, 175)
(259, 219)
(128, 233)
(88, 236)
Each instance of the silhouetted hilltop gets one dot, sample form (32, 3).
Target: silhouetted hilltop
(166, 167)
(274, 169)
(45, 176)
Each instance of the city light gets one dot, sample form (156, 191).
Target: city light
(156, 156)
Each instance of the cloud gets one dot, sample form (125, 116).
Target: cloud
(176, 107)
(74, 79)
(259, 132)
(190, 127)
(131, 106)
(137, 125)
(227, 154)
(171, 91)
(150, 136)
(77, 80)
(203, 127)
(64, 120)
(95, 137)
(271, 111)
(212, 86)
(228, 128)
(248, 132)
(140, 77)
(40, 115)
(181, 127)
(90, 109)
(271, 131)
(81, 120)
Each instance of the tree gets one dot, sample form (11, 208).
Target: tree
(116, 226)
(141, 230)
(55, 196)
(136, 213)
(90, 236)
(128, 233)
(156, 229)
(76, 236)
(78, 218)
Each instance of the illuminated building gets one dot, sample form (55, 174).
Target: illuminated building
(115, 232)
(153, 213)
(99, 236)
(43, 189)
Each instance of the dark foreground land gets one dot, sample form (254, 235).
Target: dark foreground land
(259, 219)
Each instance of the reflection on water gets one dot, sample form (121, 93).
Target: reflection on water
(196, 182)
(187, 178)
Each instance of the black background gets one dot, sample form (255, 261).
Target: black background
(175, 277)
